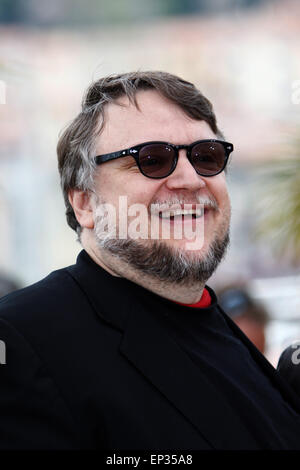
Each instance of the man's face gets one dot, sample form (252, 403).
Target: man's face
(158, 119)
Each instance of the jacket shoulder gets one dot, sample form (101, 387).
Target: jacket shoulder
(34, 411)
(50, 294)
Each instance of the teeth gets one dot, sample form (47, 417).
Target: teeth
(181, 212)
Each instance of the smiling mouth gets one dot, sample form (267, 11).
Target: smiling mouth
(181, 215)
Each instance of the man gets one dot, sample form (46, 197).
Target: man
(128, 349)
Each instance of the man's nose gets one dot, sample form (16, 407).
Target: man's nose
(184, 176)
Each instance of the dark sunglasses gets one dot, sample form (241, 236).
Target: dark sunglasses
(159, 159)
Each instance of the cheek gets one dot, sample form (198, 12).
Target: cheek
(136, 187)
(225, 200)
(218, 188)
(141, 192)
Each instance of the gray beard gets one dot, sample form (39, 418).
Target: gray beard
(161, 262)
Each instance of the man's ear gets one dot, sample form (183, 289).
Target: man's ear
(81, 201)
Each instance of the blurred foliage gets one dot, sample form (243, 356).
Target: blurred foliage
(278, 205)
(79, 12)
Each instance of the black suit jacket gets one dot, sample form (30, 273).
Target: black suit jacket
(89, 367)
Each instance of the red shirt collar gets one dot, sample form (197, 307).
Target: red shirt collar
(204, 302)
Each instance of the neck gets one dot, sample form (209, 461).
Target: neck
(179, 293)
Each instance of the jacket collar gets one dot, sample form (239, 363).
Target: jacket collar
(148, 345)
(105, 291)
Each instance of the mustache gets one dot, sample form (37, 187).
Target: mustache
(208, 202)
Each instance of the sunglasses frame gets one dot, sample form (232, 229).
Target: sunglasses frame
(134, 152)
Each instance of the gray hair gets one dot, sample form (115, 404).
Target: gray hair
(77, 144)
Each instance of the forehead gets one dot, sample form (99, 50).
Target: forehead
(156, 118)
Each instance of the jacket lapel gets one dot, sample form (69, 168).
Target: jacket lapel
(149, 347)
(155, 354)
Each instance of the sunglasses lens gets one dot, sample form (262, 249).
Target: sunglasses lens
(156, 160)
(208, 158)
